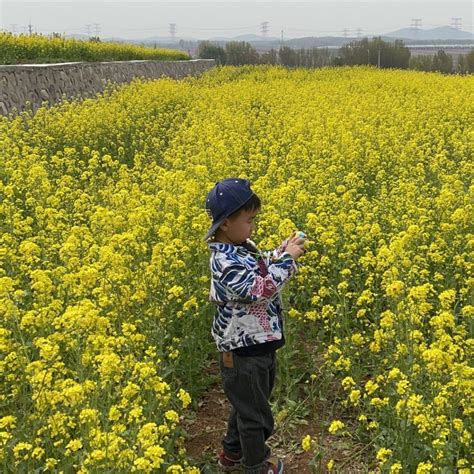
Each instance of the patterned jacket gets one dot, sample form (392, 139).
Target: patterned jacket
(245, 286)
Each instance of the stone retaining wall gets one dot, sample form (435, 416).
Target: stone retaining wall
(36, 83)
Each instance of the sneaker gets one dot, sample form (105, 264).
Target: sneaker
(273, 466)
(229, 462)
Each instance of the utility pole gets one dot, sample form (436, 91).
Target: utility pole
(264, 28)
(456, 23)
(279, 60)
(172, 31)
(416, 24)
(378, 59)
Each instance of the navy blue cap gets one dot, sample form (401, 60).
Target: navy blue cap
(226, 197)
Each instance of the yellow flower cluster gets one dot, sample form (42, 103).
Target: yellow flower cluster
(26, 48)
(104, 281)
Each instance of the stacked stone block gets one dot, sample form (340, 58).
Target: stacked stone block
(36, 83)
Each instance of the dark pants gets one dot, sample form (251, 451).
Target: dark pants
(248, 382)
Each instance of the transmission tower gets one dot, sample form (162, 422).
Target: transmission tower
(172, 31)
(97, 29)
(456, 23)
(416, 25)
(345, 32)
(30, 28)
(88, 27)
(264, 28)
(359, 32)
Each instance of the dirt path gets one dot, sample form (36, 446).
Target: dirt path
(207, 426)
(208, 429)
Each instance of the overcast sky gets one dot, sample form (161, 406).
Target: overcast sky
(229, 18)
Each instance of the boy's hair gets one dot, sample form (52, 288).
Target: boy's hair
(253, 204)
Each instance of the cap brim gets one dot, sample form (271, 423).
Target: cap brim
(213, 228)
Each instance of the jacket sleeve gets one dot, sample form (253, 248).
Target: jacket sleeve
(281, 249)
(253, 287)
(274, 254)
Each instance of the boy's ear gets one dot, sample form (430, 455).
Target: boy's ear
(224, 224)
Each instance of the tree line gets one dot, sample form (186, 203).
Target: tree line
(374, 52)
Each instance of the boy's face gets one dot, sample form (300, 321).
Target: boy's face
(236, 230)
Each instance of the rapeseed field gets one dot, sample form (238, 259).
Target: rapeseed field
(105, 318)
(15, 49)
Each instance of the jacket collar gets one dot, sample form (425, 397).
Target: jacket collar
(224, 247)
(244, 248)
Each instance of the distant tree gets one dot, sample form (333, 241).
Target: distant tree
(288, 56)
(442, 62)
(357, 52)
(337, 60)
(470, 61)
(305, 58)
(269, 57)
(374, 52)
(398, 55)
(208, 50)
(421, 63)
(240, 52)
(300, 57)
(94, 39)
(461, 65)
(324, 57)
(317, 57)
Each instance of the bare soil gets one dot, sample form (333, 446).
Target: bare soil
(207, 425)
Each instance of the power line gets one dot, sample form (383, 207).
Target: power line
(314, 31)
(263, 27)
(224, 28)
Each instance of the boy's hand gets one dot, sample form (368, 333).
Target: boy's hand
(295, 246)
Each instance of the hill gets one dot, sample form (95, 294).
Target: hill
(441, 33)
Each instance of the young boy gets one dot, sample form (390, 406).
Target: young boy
(248, 324)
